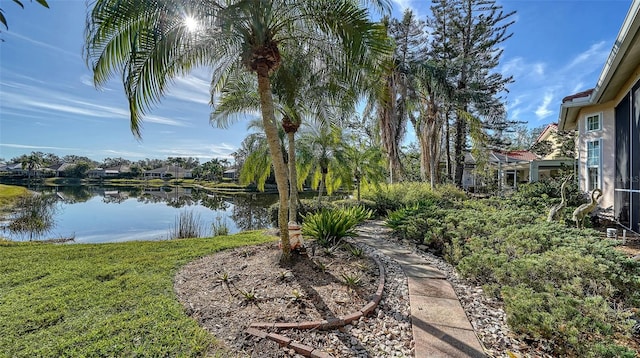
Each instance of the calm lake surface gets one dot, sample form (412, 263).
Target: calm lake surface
(96, 214)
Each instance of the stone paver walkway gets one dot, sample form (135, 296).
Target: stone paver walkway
(440, 325)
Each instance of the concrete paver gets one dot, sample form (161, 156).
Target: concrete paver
(440, 325)
(432, 287)
(424, 271)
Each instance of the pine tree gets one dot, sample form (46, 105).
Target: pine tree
(465, 36)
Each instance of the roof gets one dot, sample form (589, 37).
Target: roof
(496, 156)
(578, 95)
(521, 155)
(62, 166)
(168, 169)
(623, 59)
(551, 127)
(118, 169)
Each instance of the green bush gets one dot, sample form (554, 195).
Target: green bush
(576, 327)
(329, 227)
(306, 207)
(558, 283)
(392, 197)
(545, 193)
(348, 203)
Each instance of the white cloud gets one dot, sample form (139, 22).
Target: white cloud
(45, 45)
(539, 68)
(26, 146)
(521, 70)
(403, 4)
(41, 100)
(191, 89)
(594, 56)
(543, 110)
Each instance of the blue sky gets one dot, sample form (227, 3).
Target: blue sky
(48, 103)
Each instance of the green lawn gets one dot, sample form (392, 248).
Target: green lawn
(9, 194)
(107, 300)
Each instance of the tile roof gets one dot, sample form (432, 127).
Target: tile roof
(582, 94)
(521, 155)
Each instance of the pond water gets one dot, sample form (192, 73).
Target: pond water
(96, 214)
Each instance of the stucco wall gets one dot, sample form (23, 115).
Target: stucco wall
(607, 134)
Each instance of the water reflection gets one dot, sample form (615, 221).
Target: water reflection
(119, 213)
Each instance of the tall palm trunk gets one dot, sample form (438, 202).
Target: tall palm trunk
(323, 180)
(280, 168)
(293, 179)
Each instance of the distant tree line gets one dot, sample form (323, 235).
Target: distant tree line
(35, 161)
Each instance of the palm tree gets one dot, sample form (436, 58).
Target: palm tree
(3, 19)
(366, 164)
(321, 157)
(431, 94)
(32, 162)
(151, 42)
(257, 164)
(306, 85)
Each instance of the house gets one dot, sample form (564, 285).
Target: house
(607, 120)
(95, 173)
(111, 172)
(58, 170)
(505, 168)
(167, 172)
(509, 168)
(232, 174)
(13, 169)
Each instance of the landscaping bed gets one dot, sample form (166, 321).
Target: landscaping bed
(228, 291)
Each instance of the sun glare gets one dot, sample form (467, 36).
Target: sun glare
(190, 23)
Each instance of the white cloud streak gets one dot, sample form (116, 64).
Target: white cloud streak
(543, 110)
(27, 146)
(75, 55)
(47, 101)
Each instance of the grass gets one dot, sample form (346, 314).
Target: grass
(102, 299)
(9, 194)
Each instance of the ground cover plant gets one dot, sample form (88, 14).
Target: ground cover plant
(568, 287)
(102, 300)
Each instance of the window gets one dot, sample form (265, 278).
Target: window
(593, 123)
(593, 165)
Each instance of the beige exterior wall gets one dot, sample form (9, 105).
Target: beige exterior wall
(606, 135)
(551, 136)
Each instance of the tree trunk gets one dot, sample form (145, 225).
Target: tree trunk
(448, 145)
(293, 179)
(434, 153)
(279, 166)
(459, 150)
(322, 181)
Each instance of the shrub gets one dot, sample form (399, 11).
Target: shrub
(306, 207)
(348, 203)
(392, 197)
(413, 222)
(560, 284)
(451, 192)
(545, 193)
(329, 227)
(576, 327)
